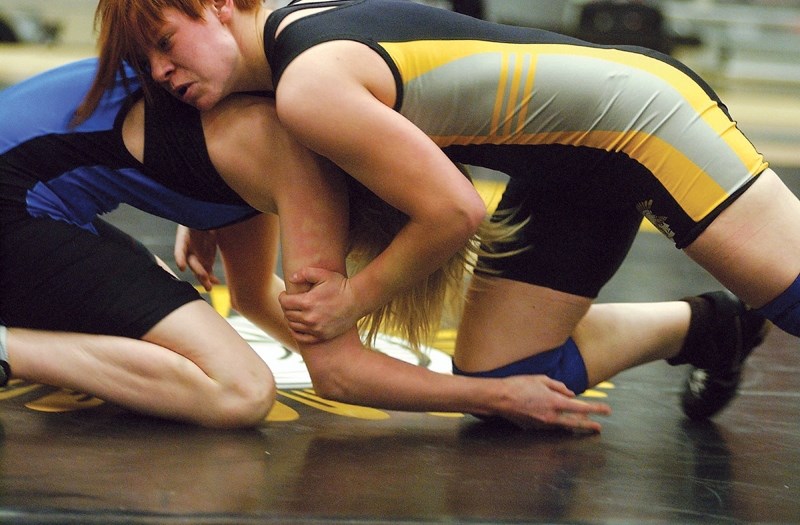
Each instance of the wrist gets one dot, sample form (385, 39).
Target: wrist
(489, 396)
(367, 293)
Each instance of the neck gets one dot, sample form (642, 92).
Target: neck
(256, 72)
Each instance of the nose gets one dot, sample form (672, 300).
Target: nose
(160, 68)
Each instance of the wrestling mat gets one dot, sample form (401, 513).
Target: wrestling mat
(70, 458)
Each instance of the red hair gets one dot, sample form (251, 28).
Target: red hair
(126, 30)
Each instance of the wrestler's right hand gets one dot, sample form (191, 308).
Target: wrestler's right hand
(543, 403)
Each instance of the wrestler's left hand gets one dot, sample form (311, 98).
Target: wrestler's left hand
(327, 309)
(197, 250)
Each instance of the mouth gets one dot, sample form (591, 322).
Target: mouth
(180, 91)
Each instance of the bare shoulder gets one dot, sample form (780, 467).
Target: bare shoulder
(330, 71)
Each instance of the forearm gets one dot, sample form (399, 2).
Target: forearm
(249, 253)
(418, 250)
(265, 312)
(343, 370)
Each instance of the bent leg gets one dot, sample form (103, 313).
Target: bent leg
(192, 367)
(753, 247)
(236, 386)
(505, 321)
(544, 296)
(714, 332)
(158, 347)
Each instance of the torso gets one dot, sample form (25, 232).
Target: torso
(476, 87)
(74, 174)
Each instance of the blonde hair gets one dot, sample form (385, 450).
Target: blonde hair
(415, 315)
(126, 30)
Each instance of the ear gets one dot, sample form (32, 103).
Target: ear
(223, 9)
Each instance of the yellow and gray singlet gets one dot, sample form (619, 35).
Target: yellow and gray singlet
(511, 98)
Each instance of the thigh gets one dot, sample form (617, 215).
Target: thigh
(753, 246)
(505, 321)
(197, 332)
(57, 276)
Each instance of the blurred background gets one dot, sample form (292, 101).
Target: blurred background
(728, 41)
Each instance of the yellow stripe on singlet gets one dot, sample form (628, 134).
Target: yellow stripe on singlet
(698, 188)
(500, 96)
(414, 59)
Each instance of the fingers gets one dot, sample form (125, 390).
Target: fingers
(179, 250)
(573, 414)
(205, 277)
(290, 302)
(548, 403)
(566, 419)
(576, 423)
(305, 335)
(558, 386)
(584, 407)
(309, 275)
(579, 423)
(304, 332)
(575, 406)
(180, 259)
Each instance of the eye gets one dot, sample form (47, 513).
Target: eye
(164, 43)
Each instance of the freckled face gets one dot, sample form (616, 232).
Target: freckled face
(194, 59)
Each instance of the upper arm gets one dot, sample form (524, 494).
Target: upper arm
(314, 218)
(334, 99)
(133, 131)
(274, 172)
(246, 142)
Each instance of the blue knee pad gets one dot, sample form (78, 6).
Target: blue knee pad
(784, 310)
(563, 363)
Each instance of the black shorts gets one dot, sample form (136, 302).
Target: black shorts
(582, 219)
(56, 276)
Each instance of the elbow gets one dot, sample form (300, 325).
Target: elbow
(467, 218)
(476, 215)
(329, 382)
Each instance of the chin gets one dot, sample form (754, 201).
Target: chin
(207, 102)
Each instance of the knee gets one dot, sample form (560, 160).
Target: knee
(784, 310)
(243, 404)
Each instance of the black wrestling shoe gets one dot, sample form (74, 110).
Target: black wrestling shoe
(734, 331)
